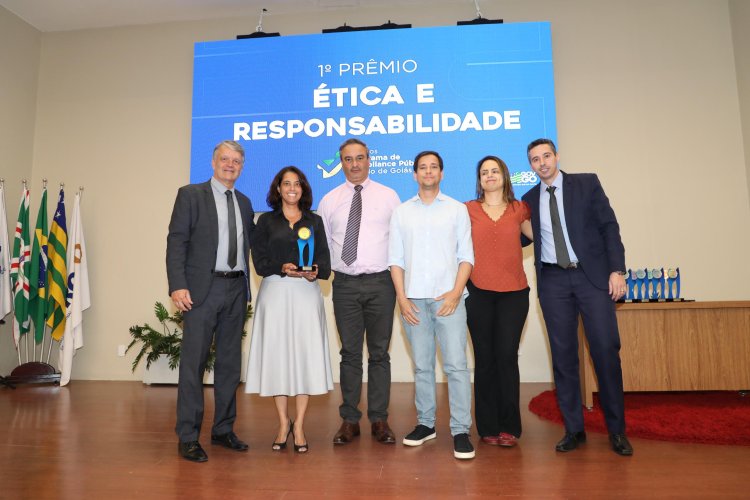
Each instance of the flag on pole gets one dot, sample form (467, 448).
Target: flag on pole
(57, 274)
(78, 294)
(38, 276)
(5, 303)
(20, 266)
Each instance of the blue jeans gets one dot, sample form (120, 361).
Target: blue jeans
(450, 332)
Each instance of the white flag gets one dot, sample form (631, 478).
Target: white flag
(79, 298)
(5, 251)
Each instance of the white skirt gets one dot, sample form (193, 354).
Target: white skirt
(289, 352)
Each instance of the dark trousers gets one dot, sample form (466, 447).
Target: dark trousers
(563, 295)
(364, 303)
(221, 317)
(496, 321)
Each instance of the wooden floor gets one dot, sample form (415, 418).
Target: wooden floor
(111, 440)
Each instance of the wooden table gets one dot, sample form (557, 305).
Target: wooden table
(678, 346)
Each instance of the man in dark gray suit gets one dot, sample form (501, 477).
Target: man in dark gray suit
(208, 282)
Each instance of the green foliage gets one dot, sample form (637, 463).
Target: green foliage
(168, 340)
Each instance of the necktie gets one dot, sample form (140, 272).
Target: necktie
(561, 250)
(349, 249)
(232, 218)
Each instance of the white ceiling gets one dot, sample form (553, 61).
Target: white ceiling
(66, 15)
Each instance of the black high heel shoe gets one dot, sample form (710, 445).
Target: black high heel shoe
(282, 445)
(299, 448)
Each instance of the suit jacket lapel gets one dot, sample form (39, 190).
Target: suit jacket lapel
(533, 202)
(569, 192)
(244, 210)
(213, 217)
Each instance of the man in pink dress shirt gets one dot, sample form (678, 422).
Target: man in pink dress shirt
(363, 294)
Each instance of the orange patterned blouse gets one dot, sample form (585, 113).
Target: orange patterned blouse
(498, 258)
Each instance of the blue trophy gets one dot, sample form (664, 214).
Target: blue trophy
(657, 284)
(630, 282)
(640, 275)
(306, 240)
(673, 280)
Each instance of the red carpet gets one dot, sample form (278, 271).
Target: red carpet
(720, 417)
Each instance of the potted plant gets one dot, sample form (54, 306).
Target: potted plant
(161, 346)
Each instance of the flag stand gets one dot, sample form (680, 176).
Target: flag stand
(7, 383)
(33, 372)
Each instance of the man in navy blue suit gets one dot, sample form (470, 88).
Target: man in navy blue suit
(580, 268)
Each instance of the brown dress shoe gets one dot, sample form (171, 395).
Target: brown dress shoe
(346, 433)
(383, 433)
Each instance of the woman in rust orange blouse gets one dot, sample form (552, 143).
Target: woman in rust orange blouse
(498, 301)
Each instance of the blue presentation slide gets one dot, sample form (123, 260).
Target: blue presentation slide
(463, 91)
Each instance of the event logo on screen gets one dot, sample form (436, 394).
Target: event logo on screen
(331, 166)
(464, 91)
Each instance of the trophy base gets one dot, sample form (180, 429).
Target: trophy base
(646, 301)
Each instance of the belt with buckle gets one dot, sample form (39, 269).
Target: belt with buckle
(572, 265)
(363, 275)
(229, 274)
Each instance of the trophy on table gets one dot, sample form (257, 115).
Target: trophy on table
(657, 284)
(640, 282)
(673, 281)
(306, 241)
(630, 281)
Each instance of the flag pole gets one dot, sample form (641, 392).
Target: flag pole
(41, 347)
(18, 347)
(13, 319)
(25, 188)
(49, 349)
(51, 340)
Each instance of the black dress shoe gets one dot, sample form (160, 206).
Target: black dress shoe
(229, 440)
(620, 444)
(383, 433)
(346, 433)
(192, 451)
(570, 441)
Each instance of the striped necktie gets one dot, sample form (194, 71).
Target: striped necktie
(349, 249)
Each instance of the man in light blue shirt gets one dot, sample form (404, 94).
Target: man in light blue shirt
(430, 256)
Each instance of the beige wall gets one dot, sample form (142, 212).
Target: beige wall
(646, 96)
(740, 16)
(19, 72)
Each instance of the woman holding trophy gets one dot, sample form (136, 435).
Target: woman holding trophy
(289, 353)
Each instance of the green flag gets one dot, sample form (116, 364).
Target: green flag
(19, 270)
(38, 276)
